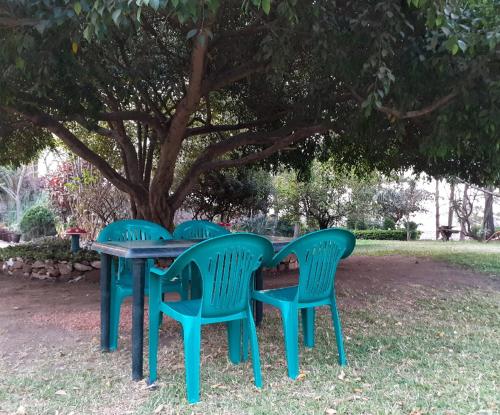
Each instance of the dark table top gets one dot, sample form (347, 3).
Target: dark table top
(162, 249)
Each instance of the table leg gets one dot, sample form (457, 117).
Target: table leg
(259, 285)
(105, 288)
(138, 271)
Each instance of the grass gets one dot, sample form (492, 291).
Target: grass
(482, 257)
(437, 354)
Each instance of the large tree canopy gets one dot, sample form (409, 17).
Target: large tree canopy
(379, 84)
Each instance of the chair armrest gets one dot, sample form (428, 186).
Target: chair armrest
(277, 258)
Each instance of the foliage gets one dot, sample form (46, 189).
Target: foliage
(402, 199)
(281, 81)
(230, 194)
(327, 196)
(36, 222)
(56, 249)
(389, 224)
(386, 234)
(82, 197)
(20, 185)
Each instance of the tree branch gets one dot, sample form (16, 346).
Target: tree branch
(279, 140)
(441, 102)
(79, 148)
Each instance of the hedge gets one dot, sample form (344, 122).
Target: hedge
(47, 248)
(386, 234)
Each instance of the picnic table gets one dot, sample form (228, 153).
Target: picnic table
(139, 251)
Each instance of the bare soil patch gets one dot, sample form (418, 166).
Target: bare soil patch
(43, 317)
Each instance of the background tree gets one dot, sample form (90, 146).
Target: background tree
(253, 82)
(400, 200)
(231, 194)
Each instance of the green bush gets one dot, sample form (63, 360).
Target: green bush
(389, 224)
(386, 234)
(56, 249)
(36, 222)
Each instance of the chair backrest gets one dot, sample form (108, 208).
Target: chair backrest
(198, 229)
(226, 264)
(132, 230)
(318, 255)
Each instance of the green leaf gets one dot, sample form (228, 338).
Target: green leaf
(454, 49)
(77, 7)
(116, 16)
(266, 6)
(462, 45)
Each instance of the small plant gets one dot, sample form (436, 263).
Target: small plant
(36, 222)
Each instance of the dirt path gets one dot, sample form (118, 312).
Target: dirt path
(37, 315)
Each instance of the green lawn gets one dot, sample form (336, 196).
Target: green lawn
(441, 356)
(414, 350)
(483, 257)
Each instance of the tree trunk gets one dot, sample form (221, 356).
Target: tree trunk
(451, 201)
(488, 220)
(159, 209)
(437, 209)
(463, 229)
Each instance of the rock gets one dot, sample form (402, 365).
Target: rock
(65, 268)
(41, 276)
(18, 265)
(85, 262)
(96, 264)
(38, 264)
(19, 259)
(27, 268)
(53, 272)
(76, 279)
(82, 267)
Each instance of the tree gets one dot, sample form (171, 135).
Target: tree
(401, 200)
(250, 82)
(488, 219)
(231, 194)
(436, 201)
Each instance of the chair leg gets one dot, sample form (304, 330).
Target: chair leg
(234, 340)
(338, 332)
(192, 344)
(244, 352)
(257, 376)
(308, 325)
(160, 321)
(289, 315)
(154, 327)
(114, 326)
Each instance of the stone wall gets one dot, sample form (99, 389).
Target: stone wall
(60, 271)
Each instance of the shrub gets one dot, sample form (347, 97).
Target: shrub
(389, 224)
(56, 249)
(37, 221)
(386, 234)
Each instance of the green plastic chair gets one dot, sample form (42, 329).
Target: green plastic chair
(121, 269)
(318, 255)
(226, 264)
(197, 229)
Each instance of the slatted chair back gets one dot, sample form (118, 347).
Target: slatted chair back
(132, 230)
(198, 229)
(226, 265)
(318, 254)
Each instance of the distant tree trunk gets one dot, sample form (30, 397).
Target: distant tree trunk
(296, 229)
(488, 220)
(437, 208)
(451, 202)
(463, 229)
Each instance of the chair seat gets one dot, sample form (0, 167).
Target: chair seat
(276, 295)
(182, 308)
